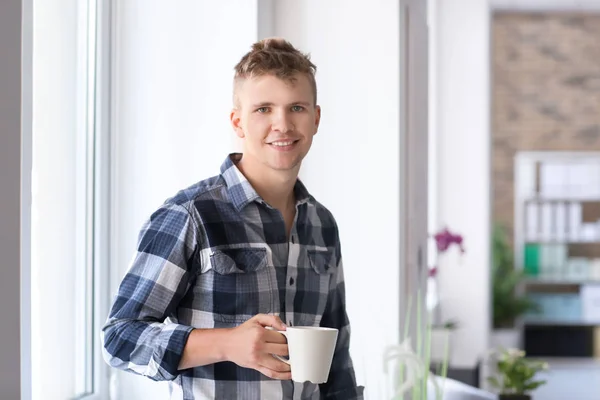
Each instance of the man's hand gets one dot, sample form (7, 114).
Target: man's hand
(250, 345)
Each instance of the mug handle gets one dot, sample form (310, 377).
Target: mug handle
(284, 333)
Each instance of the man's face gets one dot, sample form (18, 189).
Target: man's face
(276, 119)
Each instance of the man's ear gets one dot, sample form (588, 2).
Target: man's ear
(236, 122)
(317, 118)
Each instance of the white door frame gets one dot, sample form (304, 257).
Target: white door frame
(414, 158)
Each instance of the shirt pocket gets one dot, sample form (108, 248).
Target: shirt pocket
(318, 275)
(239, 284)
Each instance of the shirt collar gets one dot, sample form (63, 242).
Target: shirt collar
(241, 191)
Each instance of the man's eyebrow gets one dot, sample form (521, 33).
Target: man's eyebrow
(263, 104)
(270, 104)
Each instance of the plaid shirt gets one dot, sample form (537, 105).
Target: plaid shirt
(214, 256)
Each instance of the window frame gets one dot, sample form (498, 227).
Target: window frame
(102, 197)
(91, 375)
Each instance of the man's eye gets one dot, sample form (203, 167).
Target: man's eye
(297, 108)
(262, 109)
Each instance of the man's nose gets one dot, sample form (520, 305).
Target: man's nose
(282, 121)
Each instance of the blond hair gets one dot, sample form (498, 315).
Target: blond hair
(277, 57)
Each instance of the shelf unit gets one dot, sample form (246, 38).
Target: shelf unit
(557, 244)
(558, 282)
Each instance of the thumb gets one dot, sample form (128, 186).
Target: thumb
(270, 320)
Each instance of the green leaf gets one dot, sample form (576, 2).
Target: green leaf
(516, 373)
(494, 382)
(534, 385)
(507, 305)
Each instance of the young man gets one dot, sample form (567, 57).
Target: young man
(228, 257)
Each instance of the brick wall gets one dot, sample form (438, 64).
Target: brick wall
(545, 91)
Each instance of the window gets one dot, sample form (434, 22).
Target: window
(69, 249)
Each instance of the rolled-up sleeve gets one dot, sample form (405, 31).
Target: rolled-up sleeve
(341, 384)
(136, 337)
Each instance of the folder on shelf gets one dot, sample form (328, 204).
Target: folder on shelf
(547, 223)
(575, 218)
(578, 268)
(532, 256)
(532, 222)
(560, 221)
(590, 300)
(594, 273)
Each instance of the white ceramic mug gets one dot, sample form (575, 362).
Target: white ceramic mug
(311, 351)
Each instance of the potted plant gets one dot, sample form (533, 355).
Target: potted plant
(515, 375)
(507, 304)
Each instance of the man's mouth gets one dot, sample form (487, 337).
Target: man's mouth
(282, 143)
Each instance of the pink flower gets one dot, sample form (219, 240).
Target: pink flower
(444, 239)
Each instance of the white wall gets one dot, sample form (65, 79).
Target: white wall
(172, 80)
(171, 129)
(463, 147)
(354, 165)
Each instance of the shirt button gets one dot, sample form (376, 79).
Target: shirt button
(291, 281)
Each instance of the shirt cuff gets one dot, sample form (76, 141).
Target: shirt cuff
(168, 353)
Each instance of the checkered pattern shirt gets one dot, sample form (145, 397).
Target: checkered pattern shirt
(214, 256)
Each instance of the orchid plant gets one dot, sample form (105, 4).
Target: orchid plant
(412, 364)
(444, 240)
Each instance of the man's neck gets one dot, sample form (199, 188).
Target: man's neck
(274, 187)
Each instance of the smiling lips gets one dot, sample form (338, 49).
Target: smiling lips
(283, 145)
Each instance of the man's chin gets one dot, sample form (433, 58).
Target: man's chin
(289, 169)
(290, 166)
